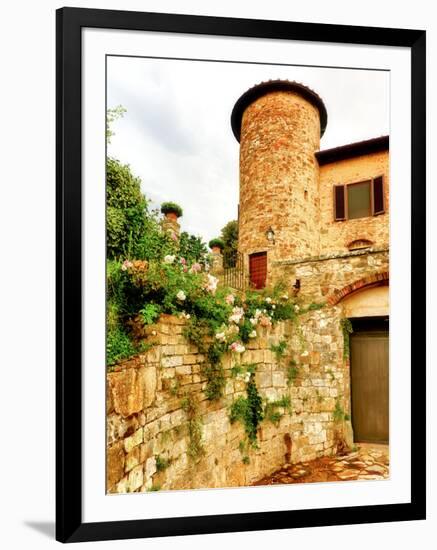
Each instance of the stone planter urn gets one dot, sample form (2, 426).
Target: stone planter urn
(171, 216)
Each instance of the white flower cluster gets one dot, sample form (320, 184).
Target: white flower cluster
(211, 284)
(237, 315)
(181, 296)
(237, 347)
(169, 259)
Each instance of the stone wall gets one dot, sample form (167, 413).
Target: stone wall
(162, 432)
(323, 277)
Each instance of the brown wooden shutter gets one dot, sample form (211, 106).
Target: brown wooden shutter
(378, 196)
(339, 203)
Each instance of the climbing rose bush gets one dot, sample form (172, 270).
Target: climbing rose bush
(176, 286)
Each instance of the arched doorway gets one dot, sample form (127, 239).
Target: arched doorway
(368, 310)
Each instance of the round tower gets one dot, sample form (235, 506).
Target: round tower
(279, 125)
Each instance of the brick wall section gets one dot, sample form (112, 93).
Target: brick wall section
(336, 235)
(145, 419)
(280, 133)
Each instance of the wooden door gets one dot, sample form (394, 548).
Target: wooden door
(369, 386)
(258, 269)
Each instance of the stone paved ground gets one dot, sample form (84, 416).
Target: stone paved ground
(368, 461)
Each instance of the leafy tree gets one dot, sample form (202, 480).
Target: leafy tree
(192, 248)
(126, 210)
(111, 115)
(229, 235)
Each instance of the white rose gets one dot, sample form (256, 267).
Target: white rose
(181, 295)
(268, 300)
(169, 259)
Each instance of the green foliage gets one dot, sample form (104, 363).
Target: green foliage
(314, 306)
(271, 412)
(249, 411)
(195, 447)
(161, 463)
(112, 115)
(150, 313)
(331, 374)
(243, 447)
(192, 248)
(216, 242)
(174, 388)
(347, 329)
(229, 235)
(171, 207)
(339, 413)
(200, 333)
(126, 209)
(292, 372)
(154, 243)
(279, 349)
(154, 487)
(118, 346)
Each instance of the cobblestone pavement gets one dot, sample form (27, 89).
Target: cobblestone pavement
(368, 461)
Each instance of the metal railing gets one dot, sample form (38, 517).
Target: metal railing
(234, 274)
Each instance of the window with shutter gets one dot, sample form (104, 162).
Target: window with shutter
(359, 200)
(378, 196)
(339, 203)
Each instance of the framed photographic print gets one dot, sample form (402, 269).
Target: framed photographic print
(241, 274)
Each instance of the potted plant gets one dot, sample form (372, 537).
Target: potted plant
(216, 245)
(171, 210)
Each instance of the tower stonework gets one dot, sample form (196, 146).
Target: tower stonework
(279, 125)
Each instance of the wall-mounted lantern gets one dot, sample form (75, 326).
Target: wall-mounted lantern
(270, 234)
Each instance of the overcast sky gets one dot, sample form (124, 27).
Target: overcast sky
(176, 133)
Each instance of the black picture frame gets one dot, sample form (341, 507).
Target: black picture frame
(69, 524)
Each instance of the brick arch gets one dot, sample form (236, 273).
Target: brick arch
(377, 279)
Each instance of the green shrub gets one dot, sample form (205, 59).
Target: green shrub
(150, 313)
(216, 242)
(171, 207)
(118, 346)
(126, 209)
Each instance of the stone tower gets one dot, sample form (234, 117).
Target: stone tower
(279, 125)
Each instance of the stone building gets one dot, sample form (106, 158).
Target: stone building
(318, 220)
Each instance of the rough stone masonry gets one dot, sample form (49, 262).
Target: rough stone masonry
(148, 430)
